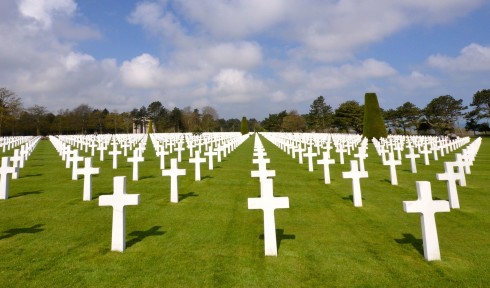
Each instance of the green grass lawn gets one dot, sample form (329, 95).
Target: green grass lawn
(49, 237)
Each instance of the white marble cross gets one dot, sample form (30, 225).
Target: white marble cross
(392, 163)
(361, 155)
(451, 177)
(114, 154)
(427, 209)
(162, 153)
(118, 201)
(197, 160)
(87, 173)
(310, 154)
(262, 173)
(16, 160)
(300, 151)
(460, 164)
(174, 172)
(355, 175)
(268, 203)
(262, 162)
(326, 161)
(341, 152)
(179, 150)
(426, 153)
(102, 148)
(75, 159)
(4, 178)
(210, 155)
(412, 156)
(135, 160)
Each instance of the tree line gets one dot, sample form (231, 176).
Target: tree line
(440, 116)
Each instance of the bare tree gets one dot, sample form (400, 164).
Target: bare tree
(10, 105)
(38, 113)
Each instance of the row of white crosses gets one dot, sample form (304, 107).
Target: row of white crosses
(27, 146)
(344, 143)
(120, 199)
(425, 205)
(267, 202)
(9, 142)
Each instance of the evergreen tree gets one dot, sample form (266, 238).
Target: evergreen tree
(244, 126)
(442, 112)
(320, 116)
(374, 125)
(348, 116)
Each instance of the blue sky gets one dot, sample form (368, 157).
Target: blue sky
(242, 57)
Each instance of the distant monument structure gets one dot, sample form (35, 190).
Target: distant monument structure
(142, 126)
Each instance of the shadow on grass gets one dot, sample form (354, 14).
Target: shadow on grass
(207, 177)
(351, 198)
(280, 236)
(141, 235)
(147, 177)
(33, 175)
(410, 239)
(187, 195)
(385, 180)
(15, 231)
(26, 193)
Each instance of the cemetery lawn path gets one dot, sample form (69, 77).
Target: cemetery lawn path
(49, 237)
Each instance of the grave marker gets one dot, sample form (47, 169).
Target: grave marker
(451, 179)
(87, 171)
(118, 201)
(326, 162)
(392, 163)
(135, 160)
(412, 156)
(197, 160)
(355, 175)
(5, 169)
(427, 209)
(174, 172)
(268, 203)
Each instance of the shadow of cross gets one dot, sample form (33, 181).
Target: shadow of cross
(26, 193)
(280, 236)
(410, 239)
(187, 195)
(15, 231)
(141, 235)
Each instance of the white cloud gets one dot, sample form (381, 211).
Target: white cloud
(239, 55)
(331, 77)
(43, 11)
(74, 60)
(155, 18)
(417, 80)
(142, 72)
(234, 19)
(473, 57)
(235, 86)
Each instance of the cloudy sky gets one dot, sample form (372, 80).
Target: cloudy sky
(242, 57)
